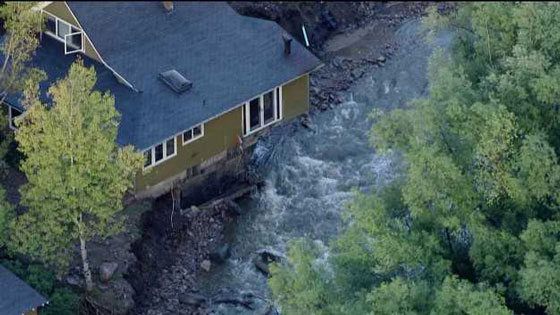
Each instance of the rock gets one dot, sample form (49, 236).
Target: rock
(337, 61)
(195, 211)
(192, 299)
(264, 258)
(268, 256)
(329, 20)
(103, 286)
(381, 58)
(220, 254)
(304, 120)
(271, 310)
(323, 106)
(74, 281)
(234, 207)
(106, 270)
(261, 266)
(206, 265)
(357, 73)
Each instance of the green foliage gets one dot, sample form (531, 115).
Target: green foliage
(305, 287)
(458, 297)
(472, 226)
(6, 216)
(35, 275)
(540, 275)
(76, 174)
(400, 297)
(22, 26)
(62, 302)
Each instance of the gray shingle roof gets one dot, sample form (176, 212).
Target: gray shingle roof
(50, 58)
(228, 57)
(17, 296)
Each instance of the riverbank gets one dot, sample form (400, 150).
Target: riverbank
(176, 271)
(156, 266)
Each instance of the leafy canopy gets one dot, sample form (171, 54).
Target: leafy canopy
(77, 175)
(472, 226)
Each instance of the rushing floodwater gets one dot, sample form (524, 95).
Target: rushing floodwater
(311, 174)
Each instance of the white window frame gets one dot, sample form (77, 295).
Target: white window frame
(165, 157)
(193, 138)
(277, 116)
(66, 52)
(11, 118)
(64, 40)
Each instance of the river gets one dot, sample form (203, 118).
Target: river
(310, 174)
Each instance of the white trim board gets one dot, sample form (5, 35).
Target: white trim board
(164, 152)
(182, 135)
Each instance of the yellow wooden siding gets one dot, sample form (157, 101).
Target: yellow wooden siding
(295, 98)
(220, 135)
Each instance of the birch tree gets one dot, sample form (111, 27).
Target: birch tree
(77, 175)
(22, 25)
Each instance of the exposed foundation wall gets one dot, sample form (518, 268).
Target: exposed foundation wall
(211, 151)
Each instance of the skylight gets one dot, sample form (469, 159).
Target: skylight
(175, 81)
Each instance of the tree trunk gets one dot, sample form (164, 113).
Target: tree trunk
(87, 271)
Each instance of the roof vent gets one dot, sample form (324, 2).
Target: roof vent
(287, 44)
(175, 81)
(168, 5)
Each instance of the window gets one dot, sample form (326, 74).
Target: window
(262, 111)
(160, 152)
(147, 158)
(51, 24)
(13, 113)
(193, 134)
(170, 147)
(255, 114)
(268, 107)
(63, 28)
(71, 36)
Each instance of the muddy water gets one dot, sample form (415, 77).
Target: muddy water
(311, 174)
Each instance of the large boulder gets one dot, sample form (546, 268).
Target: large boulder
(206, 265)
(233, 207)
(264, 258)
(192, 299)
(106, 270)
(220, 254)
(261, 266)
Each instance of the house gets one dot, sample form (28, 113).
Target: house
(192, 80)
(16, 296)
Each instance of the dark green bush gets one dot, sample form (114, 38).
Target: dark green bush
(63, 301)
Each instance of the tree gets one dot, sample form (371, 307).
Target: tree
(6, 209)
(6, 216)
(540, 275)
(22, 25)
(471, 227)
(77, 175)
